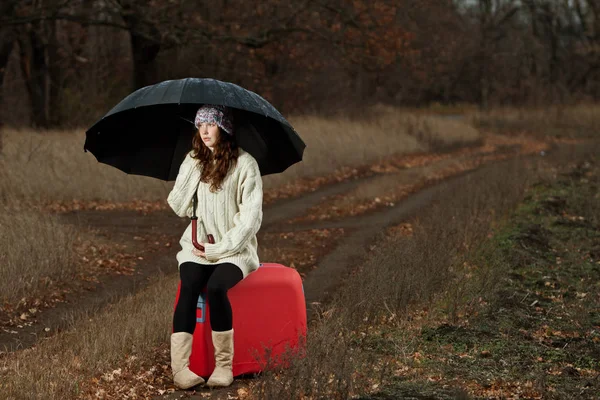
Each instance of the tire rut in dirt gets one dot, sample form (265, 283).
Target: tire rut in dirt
(290, 208)
(366, 230)
(86, 299)
(85, 303)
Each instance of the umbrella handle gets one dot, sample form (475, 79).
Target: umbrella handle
(194, 234)
(197, 245)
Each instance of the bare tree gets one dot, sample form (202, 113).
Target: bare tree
(401, 51)
(7, 41)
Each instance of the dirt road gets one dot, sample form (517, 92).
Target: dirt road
(325, 256)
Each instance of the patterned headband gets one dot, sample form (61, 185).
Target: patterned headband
(219, 115)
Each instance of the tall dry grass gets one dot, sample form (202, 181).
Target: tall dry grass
(350, 141)
(35, 250)
(410, 272)
(52, 166)
(40, 167)
(37, 168)
(411, 269)
(58, 367)
(579, 121)
(403, 271)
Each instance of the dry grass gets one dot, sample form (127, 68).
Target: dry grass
(414, 268)
(333, 144)
(382, 131)
(39, 168)
(442, 133)
(403, 271)
(498, 310)
(450, 109)
(58, 367)
(581, 121)
(36, 250)
(352, 349)
(335, 366)
(386, 184)
(52, 166)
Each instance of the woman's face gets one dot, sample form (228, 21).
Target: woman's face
(209, 133)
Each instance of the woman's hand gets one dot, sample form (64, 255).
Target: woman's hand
(198, 253)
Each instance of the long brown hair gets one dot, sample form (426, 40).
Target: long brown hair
(225, 153)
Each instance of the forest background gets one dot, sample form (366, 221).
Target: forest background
(65, 63)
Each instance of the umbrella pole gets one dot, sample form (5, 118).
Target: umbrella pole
(194, 219)
(195, 224)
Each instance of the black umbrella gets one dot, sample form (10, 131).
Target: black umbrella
(150, 131)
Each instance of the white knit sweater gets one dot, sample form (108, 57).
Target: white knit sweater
(233, 215)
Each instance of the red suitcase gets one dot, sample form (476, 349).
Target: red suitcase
(269, 316)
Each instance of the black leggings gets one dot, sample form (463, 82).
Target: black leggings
(218, 279)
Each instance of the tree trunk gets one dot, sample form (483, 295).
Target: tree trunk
(41, 70)
(145, 68)
(485, 10)
(7, 43)
(6, 46)
(144, 47)
(484, 73)
(34, 68)
(55, 77)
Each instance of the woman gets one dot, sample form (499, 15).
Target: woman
(228, 183)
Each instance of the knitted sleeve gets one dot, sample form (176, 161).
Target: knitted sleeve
(180, 198)
(247, 221)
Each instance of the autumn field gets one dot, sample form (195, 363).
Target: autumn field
(567, 122)
(488, 292)
(41, 171)
(491, 293)
(444, 219)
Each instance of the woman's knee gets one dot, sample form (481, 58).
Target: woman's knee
(192, 276)
(216, 288)
(190, 285)
(224, 278)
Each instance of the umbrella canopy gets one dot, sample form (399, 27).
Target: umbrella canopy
(150, 131)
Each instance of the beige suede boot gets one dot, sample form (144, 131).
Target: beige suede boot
(223, 373)
(181, 348)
